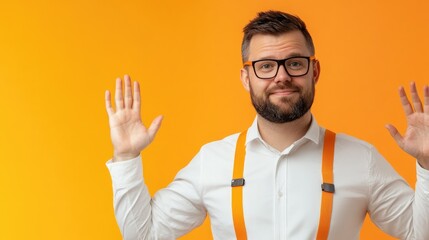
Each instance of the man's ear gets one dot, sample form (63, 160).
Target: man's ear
(316, 71)
(244, 75)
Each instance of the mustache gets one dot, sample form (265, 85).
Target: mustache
(284, 86)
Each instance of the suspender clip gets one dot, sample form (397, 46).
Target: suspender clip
(328, 187)
(237, 182)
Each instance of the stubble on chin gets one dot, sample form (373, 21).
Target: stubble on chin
(288, 109)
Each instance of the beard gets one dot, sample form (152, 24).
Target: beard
(278, 114)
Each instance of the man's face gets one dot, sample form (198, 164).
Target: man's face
(282, 98)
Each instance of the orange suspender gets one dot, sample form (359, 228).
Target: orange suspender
(328, 188)
(237, 190)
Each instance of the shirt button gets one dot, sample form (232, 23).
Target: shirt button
(280, 194)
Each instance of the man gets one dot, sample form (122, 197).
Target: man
(284, 153)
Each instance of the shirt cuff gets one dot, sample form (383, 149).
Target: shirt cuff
(422, 173)
(125, 173)
(423, 179)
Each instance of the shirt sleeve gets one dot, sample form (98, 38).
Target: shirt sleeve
(421, 202)
(393, 206)
(171, 213)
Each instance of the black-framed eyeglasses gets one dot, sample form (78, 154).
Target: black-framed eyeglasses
(268, 68)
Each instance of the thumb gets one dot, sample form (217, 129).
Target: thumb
(154, 126)
(395, 134)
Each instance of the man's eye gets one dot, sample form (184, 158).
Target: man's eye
(266, 66)
(295, 64)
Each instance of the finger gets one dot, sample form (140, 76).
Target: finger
(137, 101)
(109, 108)
(404, 101)
(118, 94)
(128, 98)
(417, 103)
(395, 134)
(426, 98)
(154, 126)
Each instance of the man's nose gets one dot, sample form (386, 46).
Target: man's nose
(282, 75)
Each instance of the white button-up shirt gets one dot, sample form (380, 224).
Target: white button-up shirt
(282, 195)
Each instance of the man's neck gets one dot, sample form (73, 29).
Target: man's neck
(282, 135)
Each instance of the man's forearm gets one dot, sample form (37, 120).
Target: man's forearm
(131, 199)
(421, 205)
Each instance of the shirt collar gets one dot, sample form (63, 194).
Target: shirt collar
(313, 132)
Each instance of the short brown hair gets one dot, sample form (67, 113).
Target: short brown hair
(273, 23)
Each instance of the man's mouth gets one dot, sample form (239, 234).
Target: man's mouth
(283, 92)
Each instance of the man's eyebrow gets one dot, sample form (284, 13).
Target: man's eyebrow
(293, 54)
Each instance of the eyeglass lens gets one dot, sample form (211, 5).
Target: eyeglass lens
(296, 66)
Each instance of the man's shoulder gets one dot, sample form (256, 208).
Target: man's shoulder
(224, 144)
(347, 141)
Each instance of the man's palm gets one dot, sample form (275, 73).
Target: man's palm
(415, 140)
(128, 133)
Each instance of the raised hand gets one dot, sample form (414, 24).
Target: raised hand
(128, 134)
(415, 141)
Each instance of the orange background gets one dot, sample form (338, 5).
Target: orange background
(58, 58)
